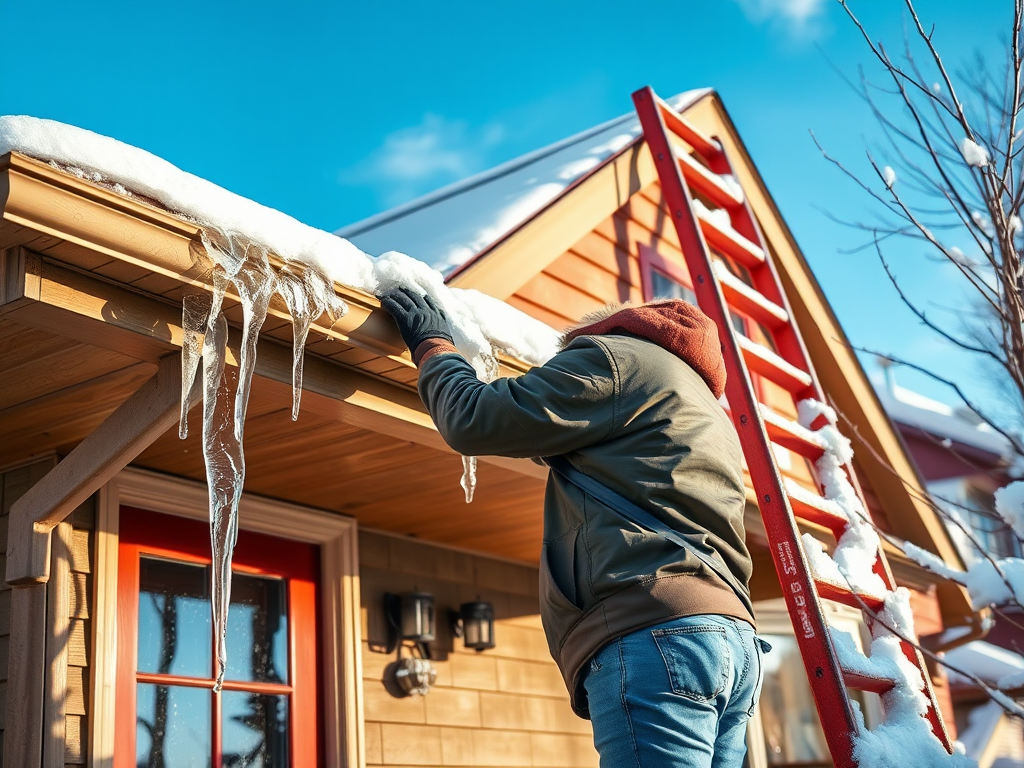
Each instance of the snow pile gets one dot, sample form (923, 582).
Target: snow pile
(988, 582)
(888, 176)
(852, 563)
(904, 739)
(1010, 506)
(974, 154)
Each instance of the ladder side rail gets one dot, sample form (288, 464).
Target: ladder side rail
(824, 674)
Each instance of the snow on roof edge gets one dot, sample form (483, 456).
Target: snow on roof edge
(482, 324)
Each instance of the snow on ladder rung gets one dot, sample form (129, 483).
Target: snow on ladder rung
(860, 671)
(707, 183)
(791, 435)
(808, 505)
(840, 593)
(701, 142)
(728, 241)
(762, 360)
(869, 683)
(749, 301)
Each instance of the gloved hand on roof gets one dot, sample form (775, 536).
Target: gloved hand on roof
(417, 316)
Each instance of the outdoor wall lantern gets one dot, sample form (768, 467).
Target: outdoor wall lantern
(474, 623)
(411, 618)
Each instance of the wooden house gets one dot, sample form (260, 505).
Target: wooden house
(105, 650)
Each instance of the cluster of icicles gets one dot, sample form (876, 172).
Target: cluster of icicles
(308, 295)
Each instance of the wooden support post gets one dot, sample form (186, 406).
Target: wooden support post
(58, 629)
(23, 736)
(129, 430)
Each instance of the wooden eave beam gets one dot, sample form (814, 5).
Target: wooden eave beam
(149, 412)
(46, 294)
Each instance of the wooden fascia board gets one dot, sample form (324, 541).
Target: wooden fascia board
(39, 197)
(104, 314)
(880, 451)
(532, 247)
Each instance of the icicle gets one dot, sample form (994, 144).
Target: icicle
(307, 296)
(256, 285)
(486, 367)
(195, 310)
(225, 472)
(468, 481)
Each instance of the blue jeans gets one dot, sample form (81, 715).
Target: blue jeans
(676, 694)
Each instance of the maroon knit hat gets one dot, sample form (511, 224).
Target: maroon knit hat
(674, 324)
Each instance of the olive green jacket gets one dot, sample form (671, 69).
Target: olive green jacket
(638, 419)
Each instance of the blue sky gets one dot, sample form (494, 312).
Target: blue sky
(334, 111)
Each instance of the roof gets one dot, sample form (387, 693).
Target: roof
(448, 227)
(938, 419)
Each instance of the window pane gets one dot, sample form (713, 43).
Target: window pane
(664, 287)
(255, 730)
(258, 630)
(792, 732)
(173, 727)
(174, 618)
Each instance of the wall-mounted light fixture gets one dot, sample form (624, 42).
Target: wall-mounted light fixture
(474, 623)
(411, 618)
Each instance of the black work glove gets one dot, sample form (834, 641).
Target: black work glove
(418, 317)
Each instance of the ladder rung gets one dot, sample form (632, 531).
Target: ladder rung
(811, 507)
(842, 594)
(762, 360)
(861, 682)
(748, 300)
(682, 128)
(706, 182)
(731, 243)
(789, 434)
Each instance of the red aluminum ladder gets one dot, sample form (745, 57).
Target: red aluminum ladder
(681, 175)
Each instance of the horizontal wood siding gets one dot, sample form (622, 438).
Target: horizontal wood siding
(504, 707)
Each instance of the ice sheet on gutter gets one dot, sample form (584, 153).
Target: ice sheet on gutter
(452, 225)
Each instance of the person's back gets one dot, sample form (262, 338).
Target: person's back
(629, 403)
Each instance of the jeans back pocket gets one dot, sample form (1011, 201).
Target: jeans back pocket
(697, 659)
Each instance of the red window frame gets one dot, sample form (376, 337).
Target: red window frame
(142, 532)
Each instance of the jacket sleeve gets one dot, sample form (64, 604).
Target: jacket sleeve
(564, 405)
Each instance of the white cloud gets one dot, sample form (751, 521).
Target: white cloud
(420, 158)
(798, 16)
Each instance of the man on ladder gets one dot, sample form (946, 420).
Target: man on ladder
(644, 568)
